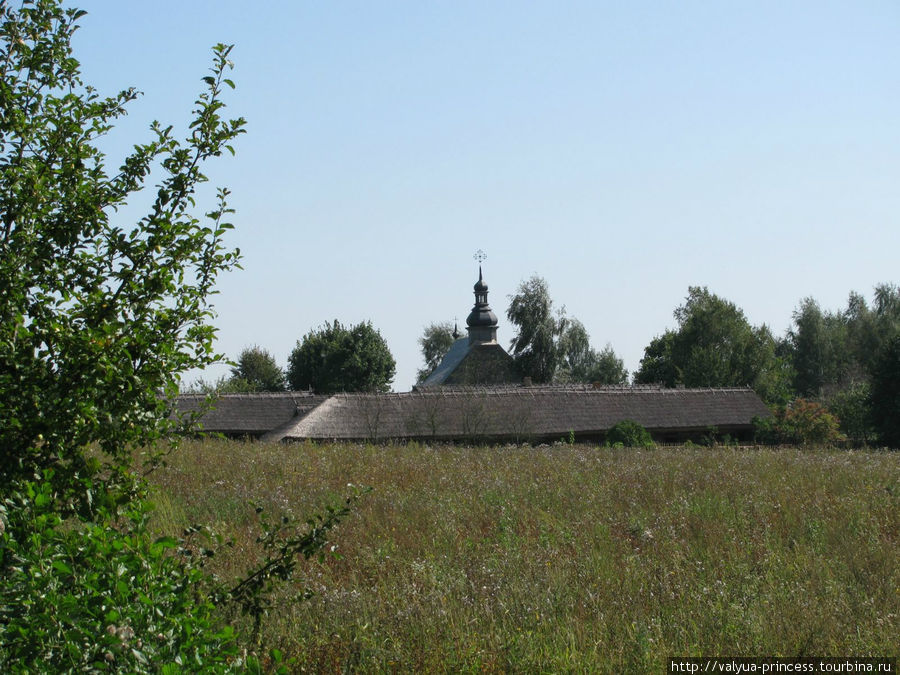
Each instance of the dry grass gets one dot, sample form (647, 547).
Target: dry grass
(565, 558)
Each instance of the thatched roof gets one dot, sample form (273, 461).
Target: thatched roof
(525, 413)
(249, 414)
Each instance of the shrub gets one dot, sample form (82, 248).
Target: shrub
(104, 594)
(630, 434)
(764, 430)
(101, 594)
(802, 422)
(100, 319)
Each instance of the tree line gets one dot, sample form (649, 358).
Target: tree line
(549, 347)
(832, 368)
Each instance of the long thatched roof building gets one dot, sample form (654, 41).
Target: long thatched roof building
(515, 413)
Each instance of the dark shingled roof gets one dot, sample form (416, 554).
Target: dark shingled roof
(525, 413)
(480, 364)
(457, 352)
(249, 414)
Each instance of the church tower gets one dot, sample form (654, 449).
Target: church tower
(482, 322)
(476, 360)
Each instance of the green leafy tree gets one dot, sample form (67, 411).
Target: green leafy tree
(851, 406)
(581, 363)
(887, 310)
(714, 346)
(832, 351)
(98, 320)
(223, 385)
(257, 370)
(885, 394)
(336, 359)
(864, 337)
(576, 357)
(535, 348)
(436, 340)
(608, 368)
(835, 355)
(819, 350)
(875, 328)
(658, 365)
(550, 347)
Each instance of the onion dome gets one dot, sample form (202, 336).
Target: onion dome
(482, 321)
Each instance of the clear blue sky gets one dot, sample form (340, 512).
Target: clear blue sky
(622, 151)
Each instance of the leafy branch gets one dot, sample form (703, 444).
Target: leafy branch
(284, 543)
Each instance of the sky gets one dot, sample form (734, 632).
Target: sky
(621, 151)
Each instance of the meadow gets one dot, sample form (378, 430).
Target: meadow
(561, 558)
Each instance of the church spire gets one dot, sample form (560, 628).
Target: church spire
(481, 322)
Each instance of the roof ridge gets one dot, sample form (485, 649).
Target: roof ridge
(566, 390)
(460, 390)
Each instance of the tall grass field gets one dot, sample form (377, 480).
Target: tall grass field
(562, 558)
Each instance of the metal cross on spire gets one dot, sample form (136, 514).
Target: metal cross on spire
(480, 256)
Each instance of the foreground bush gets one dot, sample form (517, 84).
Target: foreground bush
(107, 594)
(98, 321)
(102, 594)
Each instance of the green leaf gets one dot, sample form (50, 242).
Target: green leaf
(60, 566)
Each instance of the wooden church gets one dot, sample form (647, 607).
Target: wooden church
(476, 359)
